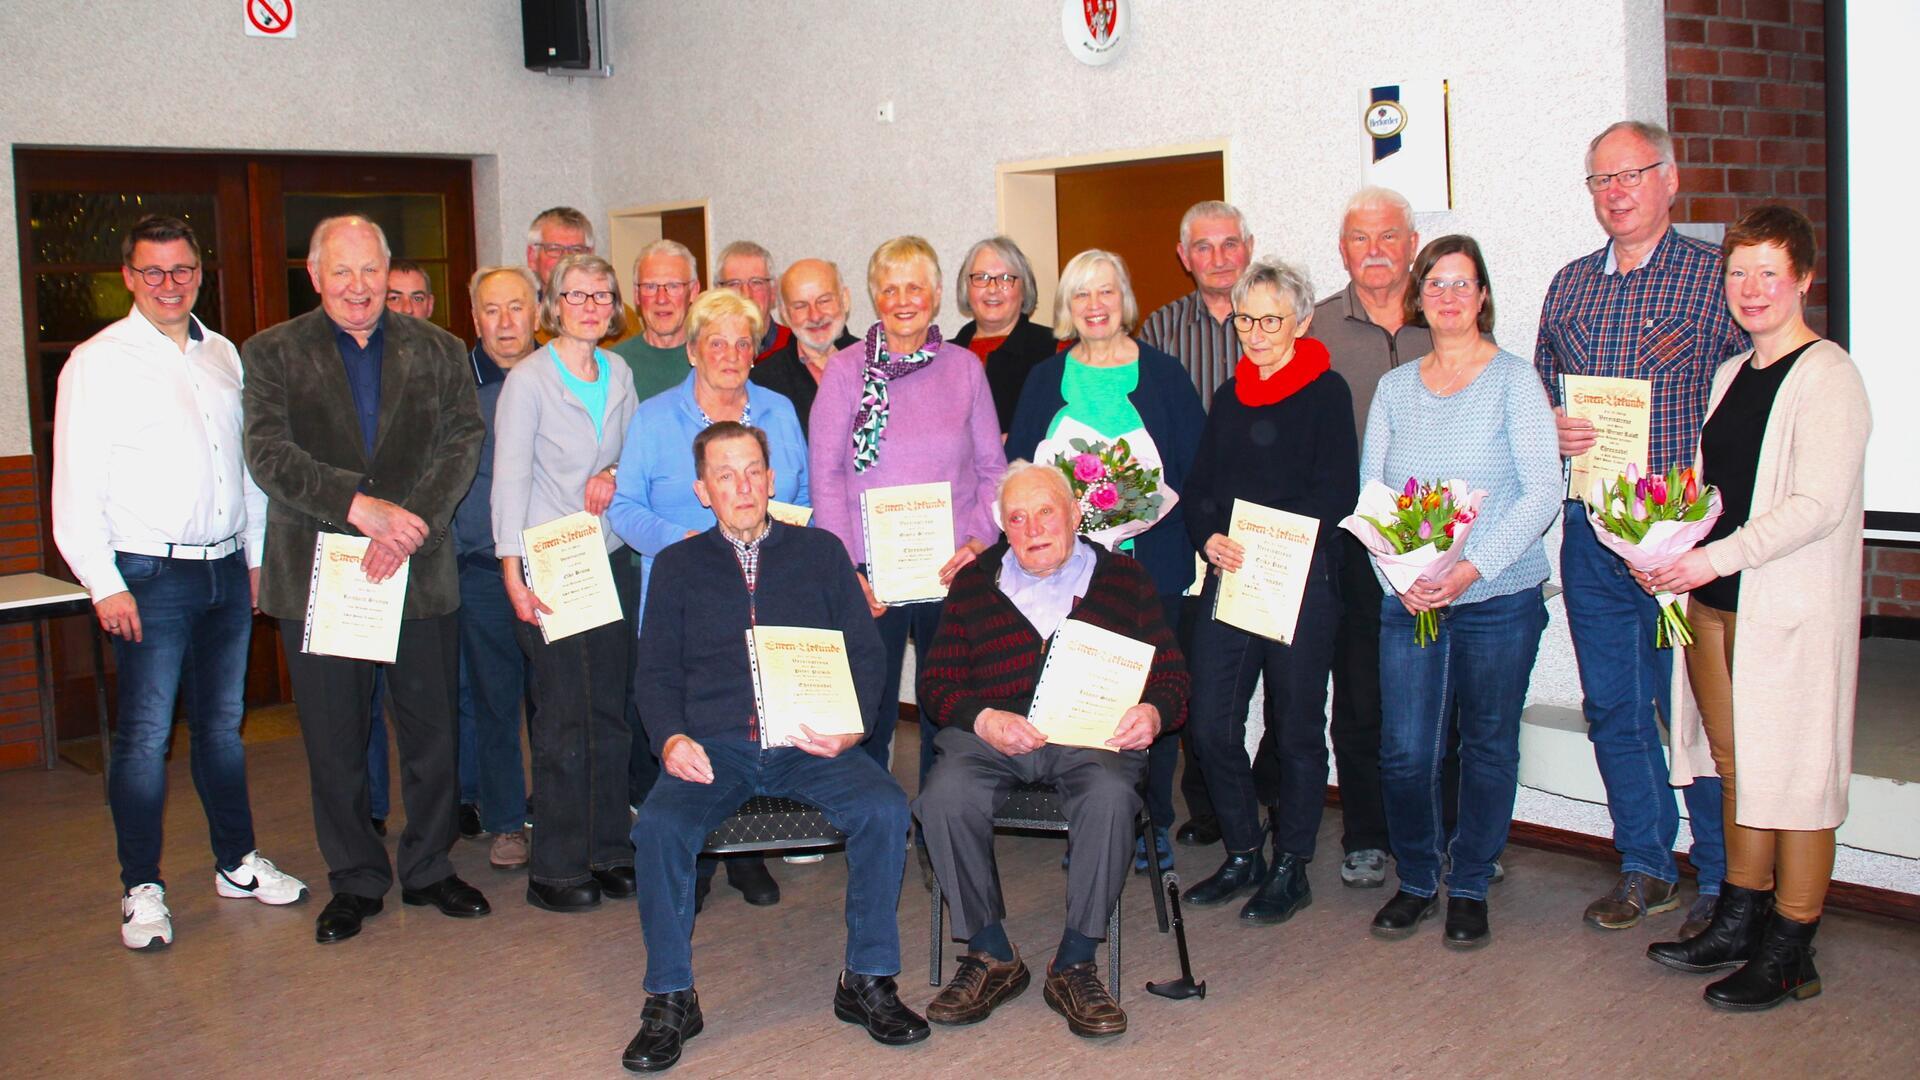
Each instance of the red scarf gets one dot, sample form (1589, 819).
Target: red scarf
(1310, 358)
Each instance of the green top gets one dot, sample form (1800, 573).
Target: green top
(654, 369)
(1097, 397)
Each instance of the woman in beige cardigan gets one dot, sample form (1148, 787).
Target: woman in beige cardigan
(1785, 435)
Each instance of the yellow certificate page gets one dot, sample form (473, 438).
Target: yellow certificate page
(801, 676)
(568, 569)
(1092, 677)
(788, 514)
(909, 531)
(1263, 596)
(347, 615)
(1622, 414)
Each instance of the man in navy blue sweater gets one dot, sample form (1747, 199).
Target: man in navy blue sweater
(695, 688)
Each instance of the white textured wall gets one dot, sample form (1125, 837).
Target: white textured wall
(423, 77)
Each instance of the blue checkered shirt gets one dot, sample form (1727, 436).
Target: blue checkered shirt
(1665, 320)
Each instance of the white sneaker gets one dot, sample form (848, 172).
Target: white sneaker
(257, 878)
(145, 922)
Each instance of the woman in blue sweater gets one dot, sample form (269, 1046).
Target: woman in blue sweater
(1108, 386)
(1280, 435)
(1468, 411)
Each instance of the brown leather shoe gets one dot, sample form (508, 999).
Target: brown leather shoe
(1634, 897)
(1699, 917)
(1078, 994)
(509, 850)
(980, 985)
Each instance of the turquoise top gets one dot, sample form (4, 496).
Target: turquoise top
(1097, 397)
(592, 395)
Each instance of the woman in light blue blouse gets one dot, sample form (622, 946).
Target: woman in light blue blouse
(1471, 411)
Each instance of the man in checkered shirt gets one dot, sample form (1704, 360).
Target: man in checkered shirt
(1648, 305)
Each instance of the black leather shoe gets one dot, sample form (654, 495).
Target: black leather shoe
(470, 822)
(342, 916)
(1466, 923)
(451, 895)
(1781, 968)
(616, 883)
(873, 1002)
(1739, 920)
(1402, 915)
(751, 878)
(1199, 832)
(379, 826)
(667, 1021)
(565, 899)
(1241, 871)
(1282, 893)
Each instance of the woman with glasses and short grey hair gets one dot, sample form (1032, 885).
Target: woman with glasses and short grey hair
(997, 293)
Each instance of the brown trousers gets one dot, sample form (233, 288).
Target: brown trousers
(1796, 864)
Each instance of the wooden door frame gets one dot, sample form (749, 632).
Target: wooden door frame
(631, 228)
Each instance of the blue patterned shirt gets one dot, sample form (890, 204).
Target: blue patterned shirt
(1666, 320)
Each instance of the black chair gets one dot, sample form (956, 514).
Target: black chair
(771, 823)
(1036, 808)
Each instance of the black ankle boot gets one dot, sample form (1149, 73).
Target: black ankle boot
(1282, 893)
(1739, 920)
(1242, 871)
(1782, 967)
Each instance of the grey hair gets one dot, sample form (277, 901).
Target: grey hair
(1654, 135)
(749, 248)
(1211, 208)
(1020, 467)
(1377, 198)
(666, 247)
(1281, 276)
(1076, 275)
(561, 215)
(586, 263)
(1010, 254)
(485, 272)
(327, 225)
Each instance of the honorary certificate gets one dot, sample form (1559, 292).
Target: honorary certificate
(1622, 415)
(801, 676)
(789, 514)
(1263, 596)
(347, 615)
(909, 532)
(566, 566)
(1091, 678)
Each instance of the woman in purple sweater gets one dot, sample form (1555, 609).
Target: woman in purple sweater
(904, 407)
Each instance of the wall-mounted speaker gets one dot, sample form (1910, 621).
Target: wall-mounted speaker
(555, 34)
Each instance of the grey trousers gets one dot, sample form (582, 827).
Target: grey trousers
(955, 810)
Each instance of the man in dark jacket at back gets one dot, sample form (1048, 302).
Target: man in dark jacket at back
(694, 685)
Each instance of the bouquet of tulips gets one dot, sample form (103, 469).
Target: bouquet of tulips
(1649, 521)
(1415, 534)
(1119, 497)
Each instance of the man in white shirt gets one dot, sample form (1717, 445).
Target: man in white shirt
(154, 511)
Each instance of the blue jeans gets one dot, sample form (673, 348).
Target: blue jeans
(920, 621)
(859, 797)
(196, 619)
(493, 686)
(1624, 679)
(1480, 662)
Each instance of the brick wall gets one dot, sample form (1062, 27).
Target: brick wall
(19, 553)
(1893, 582)
(1746, 85)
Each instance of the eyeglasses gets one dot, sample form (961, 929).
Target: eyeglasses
(739, 283)
(671, 288)
(1626, 177)
(156, 276)
(564, 249)
(1269, 323)
(1434, 286)
(580, 296)
(988, 281)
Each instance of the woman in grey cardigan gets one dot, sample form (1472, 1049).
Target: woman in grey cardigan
(562, 416)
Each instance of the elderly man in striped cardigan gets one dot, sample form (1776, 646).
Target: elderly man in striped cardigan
(977, 682)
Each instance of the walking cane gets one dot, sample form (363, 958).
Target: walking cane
(1184, 986)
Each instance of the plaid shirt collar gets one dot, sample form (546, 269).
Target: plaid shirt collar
(748, 552)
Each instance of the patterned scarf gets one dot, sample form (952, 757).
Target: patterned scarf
(870, 423)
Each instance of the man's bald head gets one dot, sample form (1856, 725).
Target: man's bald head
(814, 301)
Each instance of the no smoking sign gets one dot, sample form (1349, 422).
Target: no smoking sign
(270, 18)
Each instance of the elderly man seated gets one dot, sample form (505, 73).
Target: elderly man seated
(977, 682)
(696, 692)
